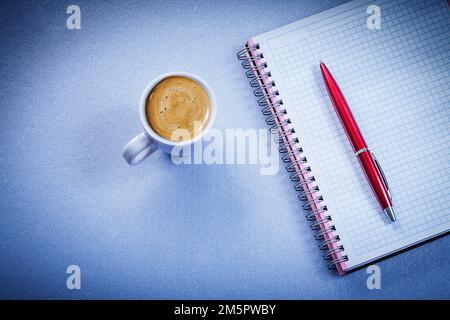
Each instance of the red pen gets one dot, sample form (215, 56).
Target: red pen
(369, 163)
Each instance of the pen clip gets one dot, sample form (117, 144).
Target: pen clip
(382, 174)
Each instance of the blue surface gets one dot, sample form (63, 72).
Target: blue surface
(69, 104)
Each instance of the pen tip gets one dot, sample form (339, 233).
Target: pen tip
(390, 213)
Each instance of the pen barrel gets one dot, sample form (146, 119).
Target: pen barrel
(350, 126)
(342, 110)
(374, 176)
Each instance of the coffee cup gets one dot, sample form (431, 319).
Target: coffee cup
(147, 142)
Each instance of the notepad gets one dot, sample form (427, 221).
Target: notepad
(396, 80)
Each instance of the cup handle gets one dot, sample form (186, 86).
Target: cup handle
(139, 148)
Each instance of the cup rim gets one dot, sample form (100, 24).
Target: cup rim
(143, 116)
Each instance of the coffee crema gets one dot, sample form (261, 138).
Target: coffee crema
(178, 103)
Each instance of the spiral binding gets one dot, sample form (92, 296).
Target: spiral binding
(292, 154)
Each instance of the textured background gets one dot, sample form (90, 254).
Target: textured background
(69, 104)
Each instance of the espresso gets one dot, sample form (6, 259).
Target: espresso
(178, 105)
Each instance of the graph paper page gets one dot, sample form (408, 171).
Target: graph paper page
(396, 80)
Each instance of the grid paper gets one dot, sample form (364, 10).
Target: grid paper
(397, 83)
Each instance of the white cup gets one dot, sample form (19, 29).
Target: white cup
(144, 144)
